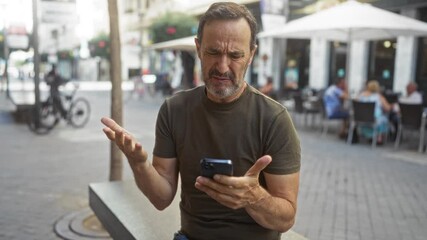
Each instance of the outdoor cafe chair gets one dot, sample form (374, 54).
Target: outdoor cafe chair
(413, 117)
(391, 97)
(325, 119)
(306, 107)
(362, 114)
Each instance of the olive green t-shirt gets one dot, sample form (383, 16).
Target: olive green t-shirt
(190, 127)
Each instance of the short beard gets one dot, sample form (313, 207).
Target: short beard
(227, 91)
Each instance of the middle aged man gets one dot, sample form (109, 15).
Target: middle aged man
(227, 119)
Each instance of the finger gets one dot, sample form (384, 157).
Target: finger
(259, 165)
(111, 124)
(109, 133)
(128, 144)
(223, 198)
(215, 185)
(120, 139)
(141, 153)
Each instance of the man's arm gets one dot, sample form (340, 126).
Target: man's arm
(158, 181)
(277, 206)
(273, 208)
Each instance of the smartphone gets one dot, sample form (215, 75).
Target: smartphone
(211, 166)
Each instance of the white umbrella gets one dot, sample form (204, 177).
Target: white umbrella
(350, 21)
(185, 44)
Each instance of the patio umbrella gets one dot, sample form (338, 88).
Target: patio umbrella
(350, 21)
(184, 44)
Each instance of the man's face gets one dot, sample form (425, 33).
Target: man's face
(410, 89)
(225, 55)
(342, 85)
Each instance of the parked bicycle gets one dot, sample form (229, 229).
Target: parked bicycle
(77, 112)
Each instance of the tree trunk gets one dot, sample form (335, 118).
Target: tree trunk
(116, 157)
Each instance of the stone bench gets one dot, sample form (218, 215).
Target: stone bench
(127, 214)
(23, 102)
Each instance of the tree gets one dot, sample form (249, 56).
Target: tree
(173, 26)
(116, 157)
(99, 46)
(2, 38)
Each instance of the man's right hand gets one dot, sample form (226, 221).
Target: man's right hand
(133, 150)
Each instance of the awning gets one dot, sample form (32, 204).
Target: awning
(184, 44)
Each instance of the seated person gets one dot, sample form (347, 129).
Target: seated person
(382, 108)
(412, 95)
(333, 99)
(268, 88)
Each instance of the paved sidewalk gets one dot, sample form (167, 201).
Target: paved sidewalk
(347, 191)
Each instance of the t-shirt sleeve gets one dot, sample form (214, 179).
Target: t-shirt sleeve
(164, 144)
(283, 145)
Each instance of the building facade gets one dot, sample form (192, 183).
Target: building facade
(393, 62)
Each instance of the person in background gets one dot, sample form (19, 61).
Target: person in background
(268, 88)
(225, 118)
(54, 80)
(412, 95)
(372, 93)
(291, 76)
(333, 99)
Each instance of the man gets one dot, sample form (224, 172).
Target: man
(333, 99)
(54, 81)
(228, 119)
(412, 95)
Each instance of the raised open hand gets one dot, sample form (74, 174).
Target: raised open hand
(125, 141)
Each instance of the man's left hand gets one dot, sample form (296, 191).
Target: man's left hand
(236, 192)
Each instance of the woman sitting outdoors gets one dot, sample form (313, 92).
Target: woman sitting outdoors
(382, 107)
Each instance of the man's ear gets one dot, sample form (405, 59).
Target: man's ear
(197, 42)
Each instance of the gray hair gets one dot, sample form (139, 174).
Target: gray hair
(228, 11)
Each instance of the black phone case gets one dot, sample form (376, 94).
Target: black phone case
(210, 166)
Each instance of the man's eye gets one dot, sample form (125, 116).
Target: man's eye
(212, 53)
(236, 56)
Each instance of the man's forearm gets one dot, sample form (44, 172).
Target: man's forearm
(154, 186)
(272, 212)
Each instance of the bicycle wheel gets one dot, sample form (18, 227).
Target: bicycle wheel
(45, 121)
(79, 112)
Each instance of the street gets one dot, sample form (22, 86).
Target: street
(346, 191)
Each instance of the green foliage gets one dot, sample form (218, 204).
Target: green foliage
(99, 46)
(173, 26)
(65, 55)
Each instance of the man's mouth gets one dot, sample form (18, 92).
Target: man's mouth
(221, 78)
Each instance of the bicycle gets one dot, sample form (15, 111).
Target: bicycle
(48, 116)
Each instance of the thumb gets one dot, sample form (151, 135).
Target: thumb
(259, 165)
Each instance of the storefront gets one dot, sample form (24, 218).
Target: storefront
(381, 60)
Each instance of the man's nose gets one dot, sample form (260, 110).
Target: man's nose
(223, 64)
